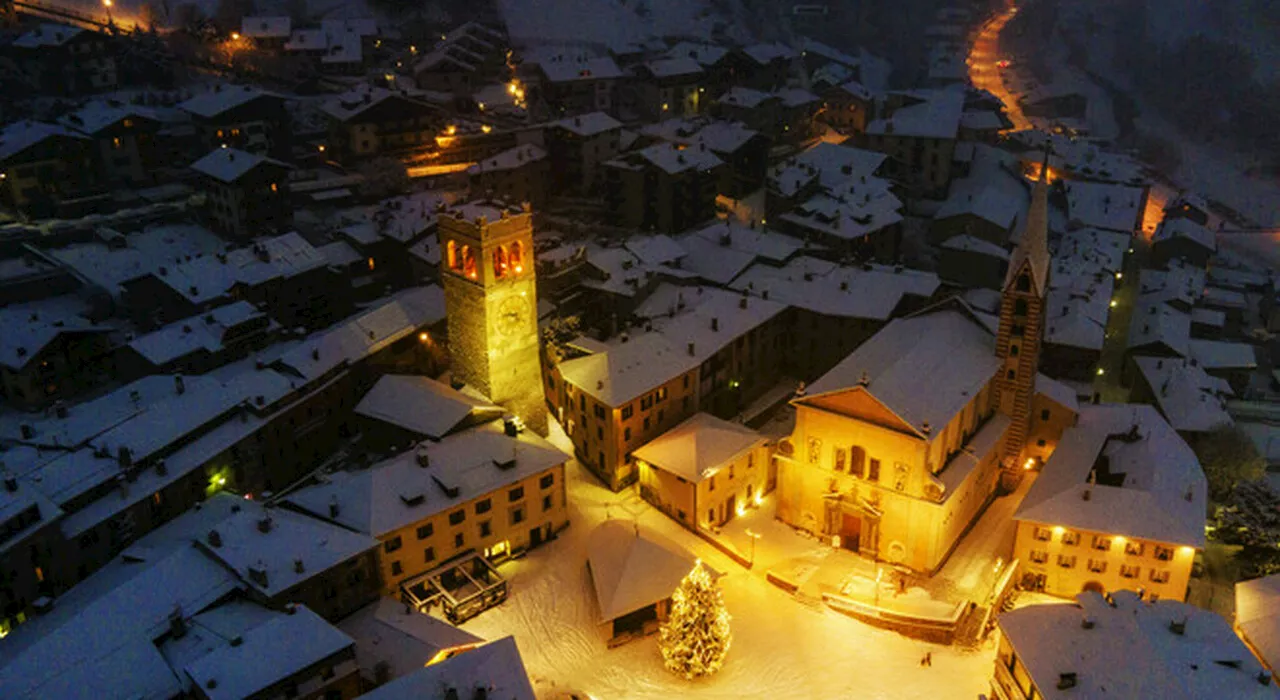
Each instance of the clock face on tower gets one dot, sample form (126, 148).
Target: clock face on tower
(512, 313)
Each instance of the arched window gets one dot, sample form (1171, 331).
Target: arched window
(468, 262)
(451, 249)
(500, 261)
(1024, 283)
(1019, 307)
(516, 257)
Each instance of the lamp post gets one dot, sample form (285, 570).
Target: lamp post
(754, 536)
(107, 4)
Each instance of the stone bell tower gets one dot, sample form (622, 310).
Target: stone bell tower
(490, 289)
(1021, 331)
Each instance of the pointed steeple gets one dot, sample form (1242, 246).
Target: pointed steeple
(1033, 249)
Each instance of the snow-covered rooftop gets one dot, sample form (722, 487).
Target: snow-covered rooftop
(423, 405)
(222, 98)
(924, 368)
(768, 52)
(108, 267)
(1079, 300)
(868, 292)
(739, 96)
(674, 160)
(400, 492)
(830, 164)
(973, 244)
(47, 34)
(18, 136)
(563, 68)
(30, 328)
(1258, 616)
(589, 124)
(696, 324)
(510, 159)
(705, 54)
(1188, 397)
(1186, 229)
(1155, 322)
(1219, 298)
(673, 67)
(289, 549)
(97, 115)
(699, 447)
(204, 279)
(656, 249)
(1221, 354)
(388, 631)
(763, 242)
(204, 332)
(633, 567)
(1131, 651)
(266, 27)
(1105, 206)
(1152, 487)
(496, 667)
(398, 316)
(994, 204)
(853, 210)
(1181, 284)
(231, 164)
(267, 654)
(923, 114)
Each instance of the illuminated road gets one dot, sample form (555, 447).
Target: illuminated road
(985, 75)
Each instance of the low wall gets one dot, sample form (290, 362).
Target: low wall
(724, 548)
(940, 630)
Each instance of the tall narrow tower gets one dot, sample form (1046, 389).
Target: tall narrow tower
(1022, 316)
(490, 291)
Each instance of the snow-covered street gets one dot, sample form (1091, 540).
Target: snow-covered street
(781, 648)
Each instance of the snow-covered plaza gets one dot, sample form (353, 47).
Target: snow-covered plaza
(782, 647)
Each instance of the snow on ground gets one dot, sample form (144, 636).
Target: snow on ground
(781, 647)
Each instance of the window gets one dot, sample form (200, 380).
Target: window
(662, 394)
(1040, 442)
(391, 545)
(626, 434)
(711, 483)
(515, 494)
(627, 411)
(1163, 553)
(1134, 548)
(429, 554)
(1070, 537)
(599, 411)
(686, 381)
(1010, 375)
(1039, 556)
(483, 506)
(1013, 350)
(841, 458)
(1102, 543)
(1044, 414)
(1024, 283)
(1159, 575)
(1129, 571)
(517, 515)
(857, 458)
(458, 540)
(873, 470)
(1098, 566)
(457, 516)
(1067, 561)
(751, 460)
(1020, 307)
(424, 531)
(396, 569)
(646, 422)
(547, 502)
(486, 528)
(731, 470)
(1042, 534)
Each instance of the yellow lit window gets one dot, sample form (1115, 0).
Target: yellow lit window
(371, 264)
(115, 142)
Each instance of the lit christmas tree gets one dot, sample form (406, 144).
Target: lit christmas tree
(695, 638)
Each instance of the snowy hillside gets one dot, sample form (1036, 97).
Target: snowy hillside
(616, 23)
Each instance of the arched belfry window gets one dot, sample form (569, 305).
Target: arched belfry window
(500, 261)
(451, 250)
(469, 262)
(515, 258)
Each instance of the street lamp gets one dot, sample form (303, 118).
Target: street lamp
(107, 4)
(754, 536)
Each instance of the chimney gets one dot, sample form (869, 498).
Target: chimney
(161, 468)
(422, 457)
(125, 456)
(1087, 622)
(10, 483)
(1264, 677)
(215, 538)
(715, 324)
(865, 379)
(298, 567)
(1087, 494)
(258, 574)
(764, 294)
(177, 624)
(264, 524)
(315, 354)
(27, 431)
(333, 506)
(1066, 681)
(742, 303)
(179, 384)
(924, 428)
(60, 410)
(691, 349)
(1178, 627)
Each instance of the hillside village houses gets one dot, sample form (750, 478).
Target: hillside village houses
(302, 374)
